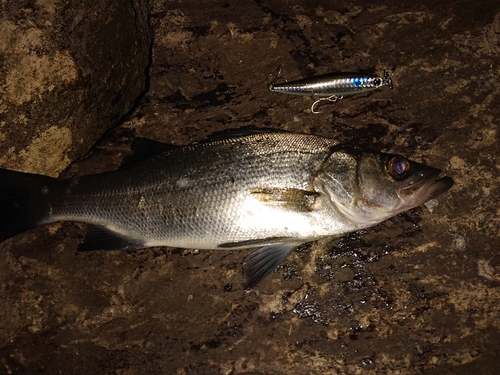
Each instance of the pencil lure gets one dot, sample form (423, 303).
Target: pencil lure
(330, 87)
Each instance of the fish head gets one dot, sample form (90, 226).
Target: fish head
(369, 187)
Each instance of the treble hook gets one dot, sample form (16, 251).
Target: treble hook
(331, 99)
(278, 76)
(388, 79)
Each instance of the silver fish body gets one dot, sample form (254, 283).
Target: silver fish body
(269, 190)
(202, 196)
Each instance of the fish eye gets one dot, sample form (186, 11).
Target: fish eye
(397, 167)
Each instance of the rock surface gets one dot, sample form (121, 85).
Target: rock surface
(417, 294)
(70, 71)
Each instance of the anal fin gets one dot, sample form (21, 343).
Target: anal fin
(99, 237)
(263, 261)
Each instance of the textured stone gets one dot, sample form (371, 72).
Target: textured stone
(418, 294)
(69, 71)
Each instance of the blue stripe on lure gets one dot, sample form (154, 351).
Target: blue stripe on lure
(330, 87)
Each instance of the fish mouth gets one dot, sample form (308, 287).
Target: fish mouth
(428, 186)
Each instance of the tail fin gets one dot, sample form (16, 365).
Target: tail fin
(20, 201)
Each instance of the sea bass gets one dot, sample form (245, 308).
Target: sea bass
(271, 190)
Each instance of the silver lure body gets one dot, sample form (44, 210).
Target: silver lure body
(330, 87)
(331, 84)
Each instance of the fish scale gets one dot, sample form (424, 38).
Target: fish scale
(223, 186)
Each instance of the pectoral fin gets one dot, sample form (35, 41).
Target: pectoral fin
(286, 198)
(262, 262)
(101, 238)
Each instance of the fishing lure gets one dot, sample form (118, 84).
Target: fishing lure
(330, 87)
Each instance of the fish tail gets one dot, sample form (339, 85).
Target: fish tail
(21, 202)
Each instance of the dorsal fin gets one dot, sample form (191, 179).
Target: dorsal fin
(144, 149)
(236, 133)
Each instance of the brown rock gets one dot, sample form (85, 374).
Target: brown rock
(69, 72)
(418, 294)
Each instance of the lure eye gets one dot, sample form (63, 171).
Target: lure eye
(377, 82)
(397, 167)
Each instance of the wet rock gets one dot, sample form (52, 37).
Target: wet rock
(69, 71)
(417, 294)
